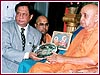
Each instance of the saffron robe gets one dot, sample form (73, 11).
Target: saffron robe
(48, 38)
(84, 44)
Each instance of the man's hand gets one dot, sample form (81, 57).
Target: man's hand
(33, 56)
(56, 58)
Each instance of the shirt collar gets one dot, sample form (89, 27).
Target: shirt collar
(23, 27)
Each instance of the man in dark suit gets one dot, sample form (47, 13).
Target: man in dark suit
(15, 48)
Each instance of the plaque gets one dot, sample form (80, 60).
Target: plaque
(45, 50)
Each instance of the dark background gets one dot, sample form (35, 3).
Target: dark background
(56, 12)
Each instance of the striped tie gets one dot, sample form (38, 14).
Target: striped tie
(23, 38)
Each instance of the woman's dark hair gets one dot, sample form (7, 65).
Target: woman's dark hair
(28, 4)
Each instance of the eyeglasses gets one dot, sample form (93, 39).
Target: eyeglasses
(42, 24)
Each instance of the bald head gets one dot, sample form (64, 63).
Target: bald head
(41, 18)
(91, 8)
(89, 16)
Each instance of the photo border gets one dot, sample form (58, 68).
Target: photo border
(49, 1)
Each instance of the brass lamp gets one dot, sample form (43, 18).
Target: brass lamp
(72, 19)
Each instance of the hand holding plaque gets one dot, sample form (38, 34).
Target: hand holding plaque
(45, 50)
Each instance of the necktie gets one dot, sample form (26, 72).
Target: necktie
(23, 38)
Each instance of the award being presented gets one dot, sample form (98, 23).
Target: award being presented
(45, 50)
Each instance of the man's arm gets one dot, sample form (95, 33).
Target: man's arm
(8, 48)
(79, 60)
(70, 60)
